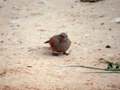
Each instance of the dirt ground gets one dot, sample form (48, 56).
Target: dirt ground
(26, 62)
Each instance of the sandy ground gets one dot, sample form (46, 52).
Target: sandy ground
(27, 63)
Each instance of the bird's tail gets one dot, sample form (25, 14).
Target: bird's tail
(47, 41)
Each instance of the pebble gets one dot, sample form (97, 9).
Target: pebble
(1, 41)
(110, 29)
(102, 23)
(107, 46)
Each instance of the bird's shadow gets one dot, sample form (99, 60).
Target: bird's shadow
(46, 51)
(42, 51)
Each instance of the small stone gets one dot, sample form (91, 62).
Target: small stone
(20, 42)
(72, 6)
(2, 34)
(1, 41)
(107, 46)
(102, 23)
(0, 6)
(76, 1)
(101, 16)
(99, 49)
(90, 0)
(4, 0)
(110, 29)
(3, 73)
(18, 25)
(101, 58)
(118, 53)
(29, 66)
(42, 30)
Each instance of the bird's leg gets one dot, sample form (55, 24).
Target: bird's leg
(55, 53)
(65, 53)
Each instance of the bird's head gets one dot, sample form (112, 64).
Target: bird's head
(63, 35)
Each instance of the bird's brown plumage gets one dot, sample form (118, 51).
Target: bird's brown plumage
(59, 43)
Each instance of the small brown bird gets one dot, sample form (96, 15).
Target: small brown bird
(59, 43)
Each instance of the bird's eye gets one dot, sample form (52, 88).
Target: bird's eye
(62, 36)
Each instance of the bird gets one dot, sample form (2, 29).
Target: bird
(59, 43)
